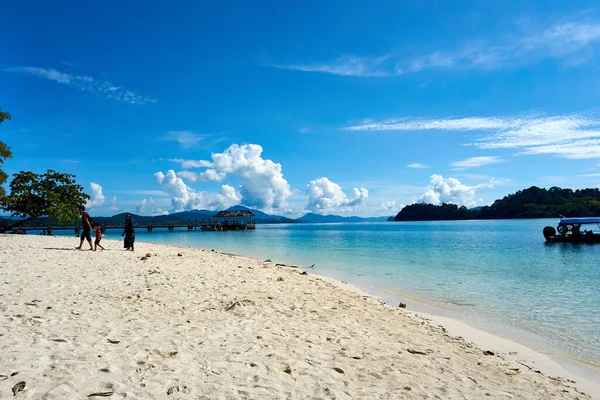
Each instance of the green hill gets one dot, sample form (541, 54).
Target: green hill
(533, 202)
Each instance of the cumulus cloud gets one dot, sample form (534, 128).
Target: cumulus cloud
(148, 207)
(327, 196)
(570, 41)
(83, 83)
(388, 207)
(417, 166)
(184, 197)
(96, 197)
(208, 175)
(142, 206)
(263, 185)
(227, 197)
(192, 163)
(451, 190)
(113, 204)
(153, 193)
(475, 162)
(574, 136)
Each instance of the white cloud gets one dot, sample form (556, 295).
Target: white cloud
(192, 163)
(186, 139)
(113, 204)
(83, 83)
(208, 175)
(227, 197)
(263, 185)
(346, 66)
(188, 176)
(389, 207)
(142, 206)
(564, 40)
(417, 166)
(590, 175)
(96, 197)
(327, 196)
(475, 162)
(575, 136)
(148, 207)
(451, 190)
(212, 175)
(184, 197)
(154, 193)
(444, 124)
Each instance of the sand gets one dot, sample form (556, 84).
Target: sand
(214, 326)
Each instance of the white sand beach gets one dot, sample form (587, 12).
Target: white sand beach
(214, 326)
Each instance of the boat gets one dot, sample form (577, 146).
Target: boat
(569, 230)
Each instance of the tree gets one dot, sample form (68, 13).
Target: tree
(52, 194)
(4, 153)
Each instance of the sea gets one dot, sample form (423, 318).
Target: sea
(499, 275)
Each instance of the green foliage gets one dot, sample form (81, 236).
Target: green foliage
(533, 202)
(3, 115)
(4, 153)
(51, 194)
(429, 212)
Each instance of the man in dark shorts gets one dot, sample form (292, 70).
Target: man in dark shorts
(86, 228)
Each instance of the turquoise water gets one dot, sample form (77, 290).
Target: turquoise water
(500, 274)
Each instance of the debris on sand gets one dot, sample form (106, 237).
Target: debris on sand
(18, 387)
(101, 394)
(240, 303)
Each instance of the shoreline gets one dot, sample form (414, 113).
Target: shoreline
(104, 279)
(550, 363)
(576, 368)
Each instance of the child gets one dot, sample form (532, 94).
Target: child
(98, 232)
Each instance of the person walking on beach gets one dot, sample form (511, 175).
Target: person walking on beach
(129, 233)
(98, 233)
(87, 227)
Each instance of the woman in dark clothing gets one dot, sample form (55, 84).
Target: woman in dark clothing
(129, 233)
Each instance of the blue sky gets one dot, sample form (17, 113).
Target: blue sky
(332, 107)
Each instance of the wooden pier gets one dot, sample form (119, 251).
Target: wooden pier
(223, 221)
(240, 220)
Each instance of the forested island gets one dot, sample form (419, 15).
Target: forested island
(533, 202)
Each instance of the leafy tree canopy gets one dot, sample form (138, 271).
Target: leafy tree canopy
(3, 115)
(533, 202)
(4, 153)
(51, 194)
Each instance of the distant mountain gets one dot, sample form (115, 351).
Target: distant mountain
(317, 218)
(199, 215)
(264, 218)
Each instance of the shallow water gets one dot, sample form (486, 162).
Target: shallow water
(496, 273)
